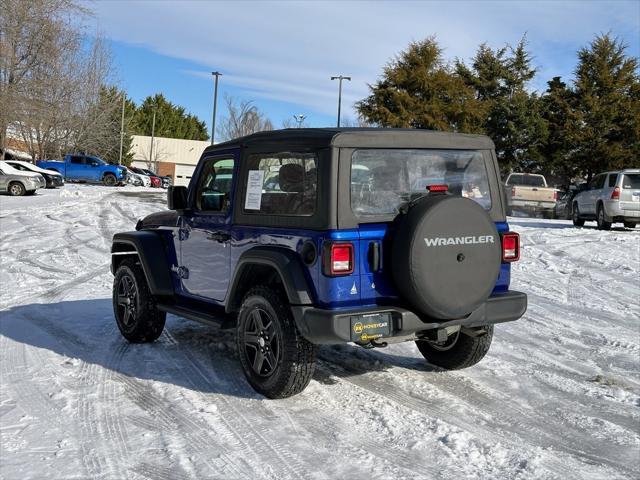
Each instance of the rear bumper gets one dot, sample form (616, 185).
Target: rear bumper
(532, 205)
(322, 326)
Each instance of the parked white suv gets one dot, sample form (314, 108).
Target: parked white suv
(610, 197)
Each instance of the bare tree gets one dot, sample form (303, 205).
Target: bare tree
(243, 118)
(294, 123)
(51, 87)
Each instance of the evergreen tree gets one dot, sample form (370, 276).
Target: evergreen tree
(513, 121)
(172, 121)
(558, 111)
(607, 103)
(419, 90)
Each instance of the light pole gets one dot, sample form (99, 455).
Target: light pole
(299, 119)
(122, 128)
(153, 136)
(215, 105)
(340, 78)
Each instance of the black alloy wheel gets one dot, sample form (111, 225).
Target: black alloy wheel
(127, 299)
(262, 342)
(109, 180)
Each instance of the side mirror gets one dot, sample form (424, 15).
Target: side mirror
(177, 198)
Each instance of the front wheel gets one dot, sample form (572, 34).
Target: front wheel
(134, 307)
(277, 360)
(109, 180)
(16, 189)
(459, 351)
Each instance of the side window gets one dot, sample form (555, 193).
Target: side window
(77, 160)
(214, 186)
(613, 179)
(289, 184)
(597, 182)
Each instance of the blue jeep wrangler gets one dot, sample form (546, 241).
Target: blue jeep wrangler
(305, 237)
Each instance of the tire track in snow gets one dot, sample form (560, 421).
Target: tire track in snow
(269, 453)
(505, 415)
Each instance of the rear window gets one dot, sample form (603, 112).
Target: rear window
(526, 180)
(289, 184)
(631, 180)
(383, 180)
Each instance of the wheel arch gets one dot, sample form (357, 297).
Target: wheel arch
(149, 248)
(269, 265)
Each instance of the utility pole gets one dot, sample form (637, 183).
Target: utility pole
(299, 119)
(122, 127)
(215, 105)
(153, 134)
(340, 78)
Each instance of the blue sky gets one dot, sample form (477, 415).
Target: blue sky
(280, 55)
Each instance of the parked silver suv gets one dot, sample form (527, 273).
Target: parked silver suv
(16, 182)
(610, 197)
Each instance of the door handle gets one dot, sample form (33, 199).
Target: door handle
(220, 237)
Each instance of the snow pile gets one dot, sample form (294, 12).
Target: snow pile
(558, 396)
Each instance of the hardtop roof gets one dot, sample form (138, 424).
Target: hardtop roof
(360, 138)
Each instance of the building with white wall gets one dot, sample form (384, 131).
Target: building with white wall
(169, 156)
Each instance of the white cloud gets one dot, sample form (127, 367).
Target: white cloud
(288, 50)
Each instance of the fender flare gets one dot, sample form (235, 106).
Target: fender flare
(152, 254)
(285, 262)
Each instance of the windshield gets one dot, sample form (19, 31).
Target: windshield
(96, 160)
(382, 180)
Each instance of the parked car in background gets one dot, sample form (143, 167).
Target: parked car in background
(17, 183)
(154, 180)
(529, 192)
(85, 168)
(565, 201)
(162, 182)
(137, 179)
(52, 179)
(610, 197)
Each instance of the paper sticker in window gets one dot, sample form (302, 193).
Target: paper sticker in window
(254, 190)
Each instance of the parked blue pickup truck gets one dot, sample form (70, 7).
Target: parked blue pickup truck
(85, 168)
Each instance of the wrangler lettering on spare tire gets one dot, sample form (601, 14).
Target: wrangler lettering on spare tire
(445, 256)
(441, 241)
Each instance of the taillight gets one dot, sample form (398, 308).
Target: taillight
(615, 195)
(510, 247)
(513, 191)
(555, 195)
(338, 258)
(437, 188)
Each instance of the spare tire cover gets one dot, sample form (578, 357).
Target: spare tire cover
(446, 256)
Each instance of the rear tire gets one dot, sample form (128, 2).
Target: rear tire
(629, 225)
(109, 180)
(137, 317)
(16, 189)
(600, 219)
(276, 359)
(577, 220)
(460, 352)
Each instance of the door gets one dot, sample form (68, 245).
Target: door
(76, 169)
(94, 170)
(4, 183)
(589, 199)
(206, 232)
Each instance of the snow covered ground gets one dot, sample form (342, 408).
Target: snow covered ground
(558, 396)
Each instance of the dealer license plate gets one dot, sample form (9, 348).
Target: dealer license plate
(373, 326)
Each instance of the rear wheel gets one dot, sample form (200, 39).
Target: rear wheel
(459, 351)
(629, 225)
(16, 189)
(277, 360)
(577, 220)
(109, 180)
(134, 307)
(601, 220)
